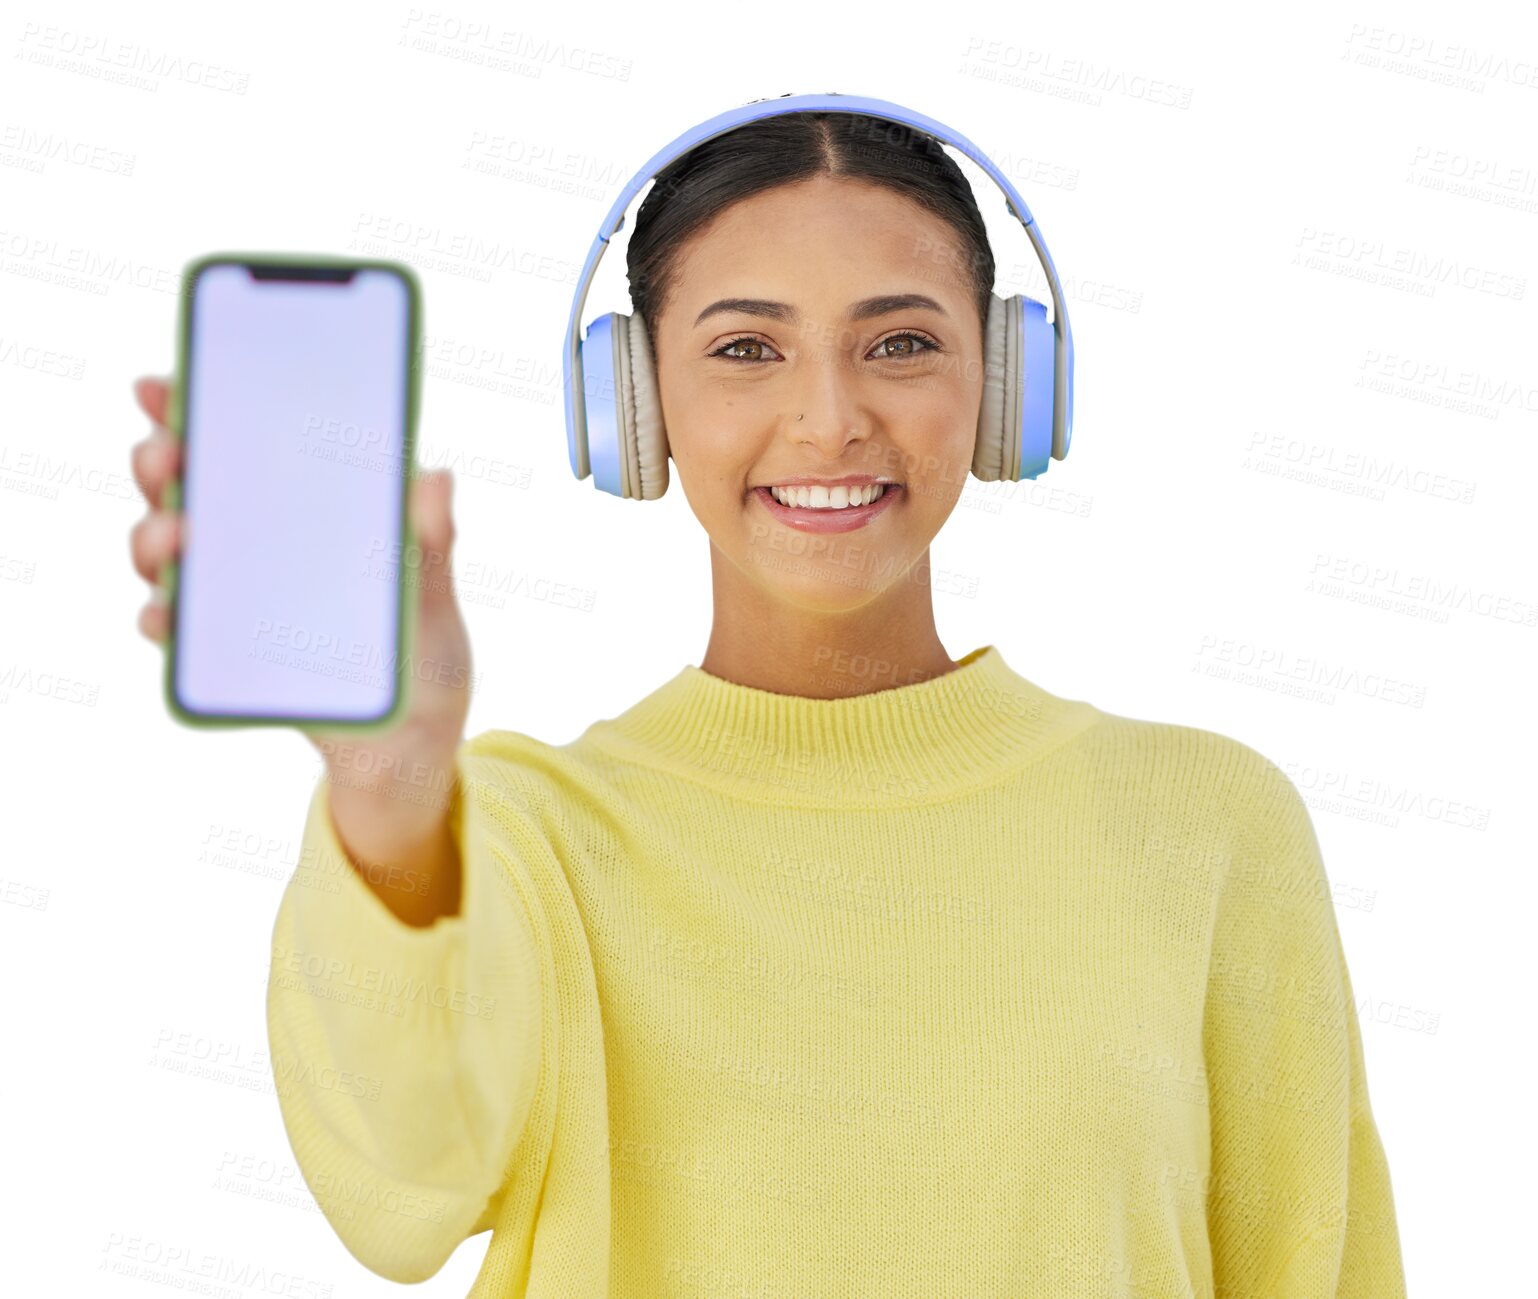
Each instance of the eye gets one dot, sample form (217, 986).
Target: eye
(928, 345)
(725, 350)
(913, 344)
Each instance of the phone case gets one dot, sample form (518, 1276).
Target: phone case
(409, 592)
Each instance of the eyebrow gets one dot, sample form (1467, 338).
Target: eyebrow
(883, 305)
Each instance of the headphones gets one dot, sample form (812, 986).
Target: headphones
(614, 417)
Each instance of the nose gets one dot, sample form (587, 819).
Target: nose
(825, 408)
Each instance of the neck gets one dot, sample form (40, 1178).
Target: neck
(760, 639)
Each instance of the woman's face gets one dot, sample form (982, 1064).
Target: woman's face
(779, 360)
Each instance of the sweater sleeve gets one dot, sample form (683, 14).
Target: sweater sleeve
(405, 1058)
(1299, 1205)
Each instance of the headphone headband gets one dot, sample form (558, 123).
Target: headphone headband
(1062, 419)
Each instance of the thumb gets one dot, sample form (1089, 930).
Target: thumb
(432, 519)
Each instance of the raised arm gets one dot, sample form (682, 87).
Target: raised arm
(406, 1058)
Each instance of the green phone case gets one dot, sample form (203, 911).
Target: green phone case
(409, 592)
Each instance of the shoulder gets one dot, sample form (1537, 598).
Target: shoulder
(556, 786)
(1186, 784)
(1202, 800)
(1185, 760)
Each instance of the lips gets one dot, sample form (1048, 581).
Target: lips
(846, 519)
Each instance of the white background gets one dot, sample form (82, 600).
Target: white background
(1299, 494)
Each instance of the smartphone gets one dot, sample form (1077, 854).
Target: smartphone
(295, 399)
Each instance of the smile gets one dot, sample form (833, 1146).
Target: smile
(828, 498)
(862, 504)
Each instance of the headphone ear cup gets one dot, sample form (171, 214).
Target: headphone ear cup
(647, 450)
(626, 446)
(988, 456)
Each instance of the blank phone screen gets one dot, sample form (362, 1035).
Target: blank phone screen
(295, 458)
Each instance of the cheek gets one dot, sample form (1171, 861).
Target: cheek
(705, 438)
(937, 429)
(715, 432)
(694, 404)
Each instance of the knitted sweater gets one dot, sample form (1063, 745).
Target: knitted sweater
(957, 988)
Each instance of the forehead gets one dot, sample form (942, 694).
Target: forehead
(828, 238)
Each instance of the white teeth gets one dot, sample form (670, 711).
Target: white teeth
(823, 498)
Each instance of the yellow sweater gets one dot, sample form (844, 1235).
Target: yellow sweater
(954, 989)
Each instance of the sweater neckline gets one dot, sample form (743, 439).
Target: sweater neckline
(920, 741)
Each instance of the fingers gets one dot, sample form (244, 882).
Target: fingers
(153, 394)
(155, 620)
(156, 459)
(153, 541)
(156, 538)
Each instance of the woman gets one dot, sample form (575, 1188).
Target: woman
(834, 966)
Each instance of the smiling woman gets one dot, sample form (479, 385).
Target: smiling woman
(815, 289)
(835, 966)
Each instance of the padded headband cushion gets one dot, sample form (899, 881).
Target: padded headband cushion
(642, 404)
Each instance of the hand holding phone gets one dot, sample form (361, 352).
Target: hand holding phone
(424, 739)
(304, 565)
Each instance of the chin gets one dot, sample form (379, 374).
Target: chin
(816, 583)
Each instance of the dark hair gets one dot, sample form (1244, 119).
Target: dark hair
(790, 147)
